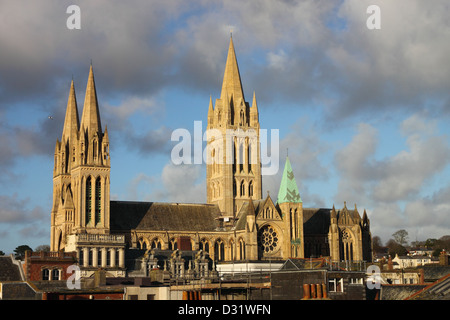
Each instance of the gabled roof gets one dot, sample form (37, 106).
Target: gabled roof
(244, 211)
(288, 188)
(439, 290)
(8, 270)
(128, 215)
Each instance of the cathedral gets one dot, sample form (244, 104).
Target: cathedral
(236, 224)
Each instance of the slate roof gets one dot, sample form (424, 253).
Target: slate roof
(242, 215)
(435, 272)
(316, 221)
(399, 292)
(439, 290)
(8, 270)
(129, 215)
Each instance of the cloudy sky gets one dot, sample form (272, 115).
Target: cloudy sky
(364, 113)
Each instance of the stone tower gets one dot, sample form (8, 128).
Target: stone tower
(291, 207)
(233, 171)
(81, 174)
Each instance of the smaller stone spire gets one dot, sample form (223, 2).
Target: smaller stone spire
(254, 115)
(210, 112)
(72, 121)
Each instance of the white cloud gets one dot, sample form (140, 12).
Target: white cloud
(394, 188)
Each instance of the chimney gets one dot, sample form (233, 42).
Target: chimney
(390, 264)
(443, 258)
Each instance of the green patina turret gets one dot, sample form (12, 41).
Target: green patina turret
(288, 188)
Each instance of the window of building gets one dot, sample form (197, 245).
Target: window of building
(56, 274)
(219, 250)
(204, 245)
(173, 244)
(356, 281)
(45, 274)
(336, 285)
(268, 239)
(88, 199)
(156, 244)
(98, 200)
(242, 249)
(242, 188)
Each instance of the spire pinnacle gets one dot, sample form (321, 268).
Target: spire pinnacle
(91, 115)
(72, 121)
(232, 79)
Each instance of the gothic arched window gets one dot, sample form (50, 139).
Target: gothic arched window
(98, 200)
(88, 199)
(242, 188)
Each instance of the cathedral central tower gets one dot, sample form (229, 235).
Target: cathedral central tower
(233, 172)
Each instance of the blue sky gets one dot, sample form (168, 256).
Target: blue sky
(364, 113)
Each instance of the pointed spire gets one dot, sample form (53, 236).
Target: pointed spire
(72, 121)
(251, 207)
(288, 188)
(91, 115)
(232, 79)
(210, 104)
(254, 105)
(254, 112)
(210, 111)
(333, 213)
(105, 135)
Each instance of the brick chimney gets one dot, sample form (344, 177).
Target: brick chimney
(443, 258)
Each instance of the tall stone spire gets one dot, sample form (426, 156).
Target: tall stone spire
(91, 115)
(232, 79)
(72, 121)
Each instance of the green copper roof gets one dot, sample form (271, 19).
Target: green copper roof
(288, 188)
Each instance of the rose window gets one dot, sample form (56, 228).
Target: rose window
(268, 239)
(346, 237)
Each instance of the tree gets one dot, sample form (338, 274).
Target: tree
(395, 248)
(401, 237)
(430, 242)
(2, 253)
(19, 252)
(376, 243)
(42, 247)
(441, 244)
